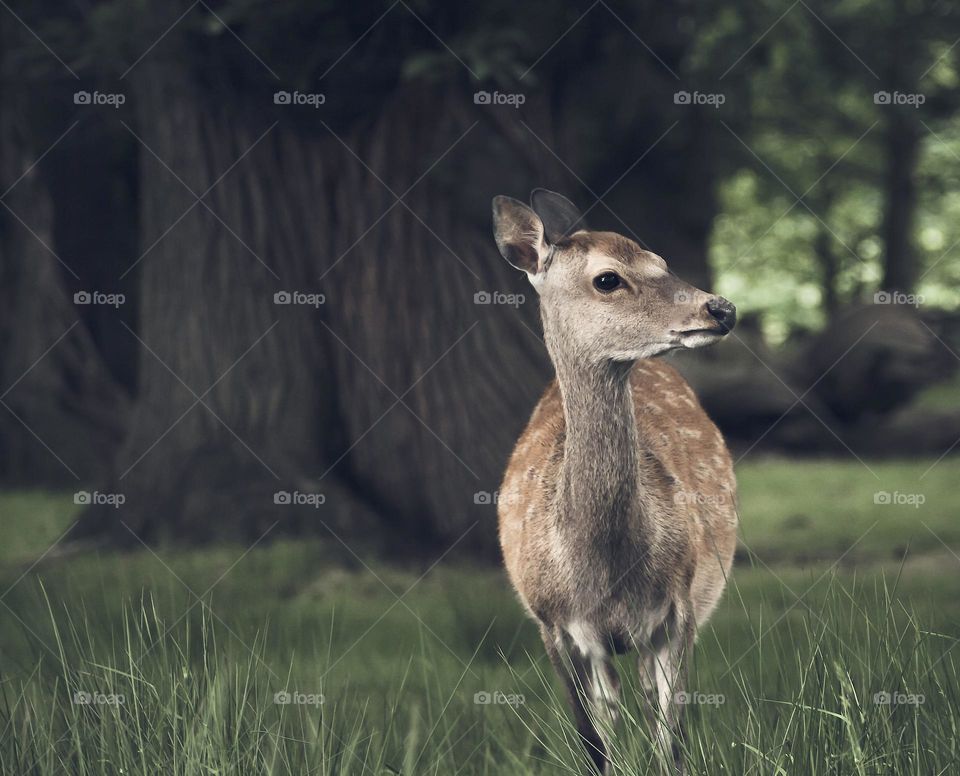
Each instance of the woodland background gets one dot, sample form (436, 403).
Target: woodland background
(799, 159)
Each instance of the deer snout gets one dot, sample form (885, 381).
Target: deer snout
(723, 311)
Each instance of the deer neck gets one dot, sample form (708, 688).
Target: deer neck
(599, 491)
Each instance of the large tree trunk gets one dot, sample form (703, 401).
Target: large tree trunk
(295, 400)
(233, 401)
(400, 397)
(62, 412)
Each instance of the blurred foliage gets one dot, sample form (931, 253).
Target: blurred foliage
(762, 247)
(810, 185)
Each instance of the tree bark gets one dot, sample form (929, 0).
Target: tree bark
(901, 150)
(826, 255)
(398, 398)
(62, 412)
(231, 402)
(900, 196)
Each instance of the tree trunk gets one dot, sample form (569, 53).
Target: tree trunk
(901, 144)
(823, 246)
(295, 400)
(232, 401)
(62, 412)
(900, 194)
(655, 169)
(400, 397)
(673, 204)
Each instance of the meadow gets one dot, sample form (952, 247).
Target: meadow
(831, 653)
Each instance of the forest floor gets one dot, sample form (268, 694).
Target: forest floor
(831, 653)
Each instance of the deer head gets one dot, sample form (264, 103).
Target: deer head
(601, 294)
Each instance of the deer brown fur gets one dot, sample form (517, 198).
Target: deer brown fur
(617, 510)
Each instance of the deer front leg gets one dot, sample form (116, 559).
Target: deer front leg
(593, 690)
(647, 670)
(670, 666)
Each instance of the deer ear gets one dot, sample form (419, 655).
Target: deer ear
(519, 234)
(559, 215)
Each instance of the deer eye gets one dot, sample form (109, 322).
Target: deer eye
(607, 282)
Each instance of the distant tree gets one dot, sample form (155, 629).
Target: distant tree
(842, 123)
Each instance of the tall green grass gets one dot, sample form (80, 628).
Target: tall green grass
(787, 687)
(193, 646)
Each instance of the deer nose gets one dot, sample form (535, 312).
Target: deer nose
(723, 311)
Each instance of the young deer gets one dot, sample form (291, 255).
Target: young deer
(617, 510)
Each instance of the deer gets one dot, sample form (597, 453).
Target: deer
(617, 512)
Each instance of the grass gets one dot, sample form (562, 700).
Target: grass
(798, 511)
(939, 396)
(197, 645)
